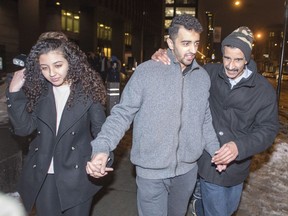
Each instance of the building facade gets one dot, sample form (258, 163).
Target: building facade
(124, 28)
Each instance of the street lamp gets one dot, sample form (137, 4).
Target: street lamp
(258, 35)
(237, 3)
(283, 51)
(258, 49)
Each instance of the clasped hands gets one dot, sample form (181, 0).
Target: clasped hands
(97, 167)
(225, 155)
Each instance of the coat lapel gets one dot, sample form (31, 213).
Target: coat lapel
(47, 110)
(72, 114)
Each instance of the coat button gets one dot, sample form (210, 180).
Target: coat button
(72, 148)
(76, 166)
(34, 166)
(39, 132)
(7, 98)
(36, 149)
(9, 105)
(73, 133)
(221, 133)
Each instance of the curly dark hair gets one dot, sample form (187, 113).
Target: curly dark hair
(80, 75)
(187, 21)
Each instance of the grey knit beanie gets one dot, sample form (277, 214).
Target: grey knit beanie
(241, 38)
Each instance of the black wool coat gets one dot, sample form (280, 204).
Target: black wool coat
(246, 114)
(70, 148)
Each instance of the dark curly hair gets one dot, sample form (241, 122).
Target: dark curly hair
(80, 75)
(187, 21)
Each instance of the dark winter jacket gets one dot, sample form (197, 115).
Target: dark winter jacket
(70, 148)
(113, 75)
(246, 114)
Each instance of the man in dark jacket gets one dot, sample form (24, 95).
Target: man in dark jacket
(245, 117)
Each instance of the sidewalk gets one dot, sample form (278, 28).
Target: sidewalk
(119, 197)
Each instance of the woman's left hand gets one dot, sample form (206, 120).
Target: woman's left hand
(17, 81)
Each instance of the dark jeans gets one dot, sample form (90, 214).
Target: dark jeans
(220, 200)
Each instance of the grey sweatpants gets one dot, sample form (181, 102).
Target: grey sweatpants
(162, 197)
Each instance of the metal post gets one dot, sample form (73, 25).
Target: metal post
(113, 95)
(282, 52)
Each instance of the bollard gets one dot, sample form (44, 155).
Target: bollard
(113, 95)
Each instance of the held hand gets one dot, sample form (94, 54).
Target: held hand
(161, 55)
(97, 166)
(17, 81)
(226, 154)
(221, 167)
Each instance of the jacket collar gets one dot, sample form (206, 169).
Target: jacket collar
(46, 111)
(249, 82)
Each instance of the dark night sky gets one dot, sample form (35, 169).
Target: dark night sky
(256, 14)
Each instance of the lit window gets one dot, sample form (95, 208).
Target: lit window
(76, 24)
(107, 51)
(271, 34)
(169, 1)
(185, 10)
(104, 32)
(128, 39)
(128, 35)
(169, 12)
(70, 21)
(167, 23)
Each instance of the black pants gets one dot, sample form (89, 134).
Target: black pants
(48, 203)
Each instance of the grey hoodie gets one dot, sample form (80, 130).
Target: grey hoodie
(172, 120)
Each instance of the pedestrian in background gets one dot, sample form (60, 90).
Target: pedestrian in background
(172, 124)
(245, 116)
(91, 57)
(113, 74)
(113, 84)
(103, 65)
(58, 96)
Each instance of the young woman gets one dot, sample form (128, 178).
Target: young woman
(60, 99)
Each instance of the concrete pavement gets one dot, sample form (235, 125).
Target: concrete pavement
(118, 198)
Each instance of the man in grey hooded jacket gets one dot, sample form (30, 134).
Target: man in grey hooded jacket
(172, 124)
